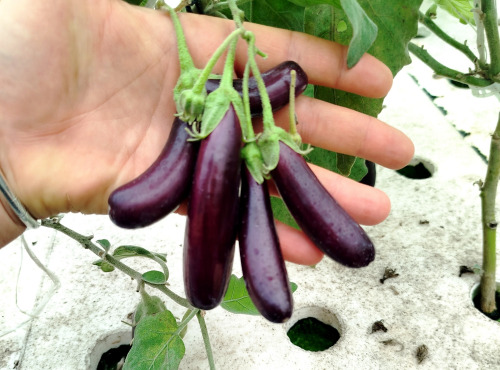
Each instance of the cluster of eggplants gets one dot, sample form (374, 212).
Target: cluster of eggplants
(210, 175)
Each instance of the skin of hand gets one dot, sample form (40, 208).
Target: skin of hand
(87, 105)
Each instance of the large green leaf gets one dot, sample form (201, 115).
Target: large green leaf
(275, 13)
(157, 344)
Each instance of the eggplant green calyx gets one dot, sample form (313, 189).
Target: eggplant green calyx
(252, 156)
(190, 105)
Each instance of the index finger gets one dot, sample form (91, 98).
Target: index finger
(325, 62)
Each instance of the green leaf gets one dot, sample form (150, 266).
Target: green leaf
(281, 212)
(364, 31)
(460, 9)
(157, 344)
(154, 277)
(149, 305)
(237, 299)
(104, 243)
(345, 163)
(105, 266)
(127, 251)
(275, 13)
(306, 3)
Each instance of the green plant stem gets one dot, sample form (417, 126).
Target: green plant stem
(185, 60)
(267, 111)
(205, 74)
(206, 339)
(488, 197)
(248, 131)
(429, 23)
(490, 22)
(444, 71)
(86, 242)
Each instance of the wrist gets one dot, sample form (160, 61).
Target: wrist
(11, 225)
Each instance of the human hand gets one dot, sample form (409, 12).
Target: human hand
(87, 104)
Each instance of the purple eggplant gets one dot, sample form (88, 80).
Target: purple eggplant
(318, 214)
(212, 218)
(277, 81)
(161, 188)
(262, 263)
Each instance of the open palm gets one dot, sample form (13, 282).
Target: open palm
(86, 102)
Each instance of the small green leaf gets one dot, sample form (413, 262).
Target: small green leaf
(127, 251)
(104, 243)
(104, 265)
(154, 277)
(461, 9)
(157, 344)
(237, 299)
(364, 31)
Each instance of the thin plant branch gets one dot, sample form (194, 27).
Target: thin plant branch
(86, 242)
(427, 21)
(206, 339)
(444, 71)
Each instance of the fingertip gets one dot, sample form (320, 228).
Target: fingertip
(373, 78)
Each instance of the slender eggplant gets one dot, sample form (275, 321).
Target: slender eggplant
(262, 263)
(277, 81)
(161, 188)
(318, 214)
(212, 219)
(371, 175)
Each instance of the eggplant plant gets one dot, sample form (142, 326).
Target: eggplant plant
(483, 73)
(213, 150)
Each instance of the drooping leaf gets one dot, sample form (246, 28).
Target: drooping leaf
(127, 251)
(364, 31)
(237, 299)
(157, 345)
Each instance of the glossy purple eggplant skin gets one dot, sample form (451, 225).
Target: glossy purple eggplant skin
(277, 81)
(212, 218)
(161, 188)
(318, 214)
(264, 269)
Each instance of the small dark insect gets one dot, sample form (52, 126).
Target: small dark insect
(388, 274)
(465, 270)
(378, 326)
(424, 222)
(422, 353)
